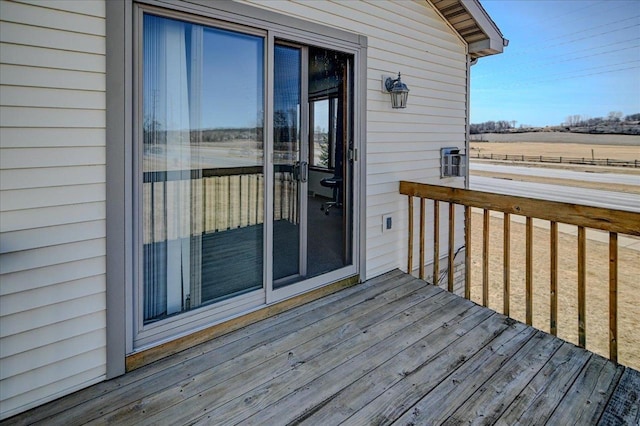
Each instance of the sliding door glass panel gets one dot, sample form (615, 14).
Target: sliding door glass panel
(287, 165)
(330, 215)
(202, 165)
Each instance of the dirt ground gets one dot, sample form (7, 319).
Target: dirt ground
(549, 149)
(560, 138)
(597, 286)
(597, 264)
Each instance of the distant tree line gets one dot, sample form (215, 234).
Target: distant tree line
(615, 123)
(613, 117)
(492, 127)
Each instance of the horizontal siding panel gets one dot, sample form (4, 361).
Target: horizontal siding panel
(42, 277)
(339, 15)
(415, 10)
(22, 199)
(419, 66)
(413, 128)
(51, 117)
(54, 353)
(417, 79)
(432, 147)
(85, 7)
(421, 19)
(51, 38)
(49, 334)
(373, 159)
(17, 137)
(52, 255)
(19, 75)
(32, 299)
(21, 158)
(414, 175)
(51, 392)
(12, 11)
(21, 96)
(49, 58)
(376, 139)
(51, 216)
(50, 176)
(423, 97)
(55, 374)
(29, 239)
(383, 188)
(40, 317)
(429, 118)
(399, 168)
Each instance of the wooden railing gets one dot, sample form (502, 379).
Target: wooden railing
(613, 221)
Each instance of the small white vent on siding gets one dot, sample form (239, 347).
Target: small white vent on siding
(452, 162)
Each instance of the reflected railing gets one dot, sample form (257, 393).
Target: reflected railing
(227, 198)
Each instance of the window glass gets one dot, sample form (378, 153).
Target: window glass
(202, 165)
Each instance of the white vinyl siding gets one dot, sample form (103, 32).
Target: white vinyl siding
(411, 38)
(52, 200)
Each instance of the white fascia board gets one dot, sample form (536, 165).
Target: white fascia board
(495, 41)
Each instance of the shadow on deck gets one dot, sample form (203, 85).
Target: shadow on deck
(393, 349)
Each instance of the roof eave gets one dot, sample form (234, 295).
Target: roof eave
(494, 43)
(473, 24)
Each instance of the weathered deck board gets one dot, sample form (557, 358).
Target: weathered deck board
(624, 405)
(392, 350)
(543, 393)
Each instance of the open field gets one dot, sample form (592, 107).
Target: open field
(560, 138)
(551, 149)
(597, 286)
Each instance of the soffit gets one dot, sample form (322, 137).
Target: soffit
(474, 25)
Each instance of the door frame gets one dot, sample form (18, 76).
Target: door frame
(121, 211)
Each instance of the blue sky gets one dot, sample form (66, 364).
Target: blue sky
(564, 58)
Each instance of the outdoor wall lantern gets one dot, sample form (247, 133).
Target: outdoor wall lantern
(398, 90)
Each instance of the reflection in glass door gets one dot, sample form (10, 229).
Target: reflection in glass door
(290, 168)
(202, 191)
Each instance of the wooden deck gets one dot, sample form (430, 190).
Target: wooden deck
(392, 350)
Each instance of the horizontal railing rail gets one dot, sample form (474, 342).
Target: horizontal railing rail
(566, 160)
(613, 221)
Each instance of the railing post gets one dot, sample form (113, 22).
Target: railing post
(422, 225)
(529, 271)
(506, 268)
(452, 227)
(613, 296)
(553, 238)
(436, 242)
(582, 275)
(410, 245)
(467, 252)
(485, 258)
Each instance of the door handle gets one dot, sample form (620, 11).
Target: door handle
(304, 171)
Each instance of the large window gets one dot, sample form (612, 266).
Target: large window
(202, 165)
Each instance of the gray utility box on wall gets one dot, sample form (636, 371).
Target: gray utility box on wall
(452, 163)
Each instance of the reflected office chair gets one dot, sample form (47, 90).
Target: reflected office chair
(335, 183)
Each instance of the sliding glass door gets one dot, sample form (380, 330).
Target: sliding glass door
(235, 214)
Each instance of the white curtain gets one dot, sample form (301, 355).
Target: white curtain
(171, 112)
